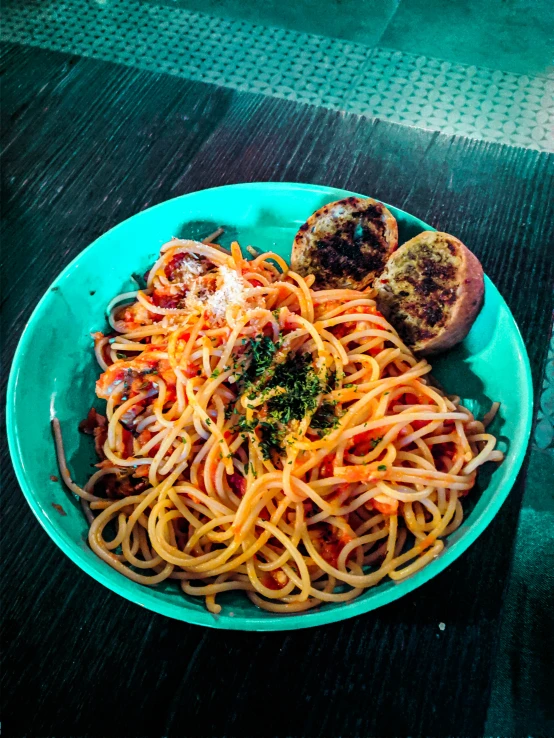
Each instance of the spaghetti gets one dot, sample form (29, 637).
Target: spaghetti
(265, 437)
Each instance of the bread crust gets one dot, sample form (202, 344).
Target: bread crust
(345, 244)
(431, 290)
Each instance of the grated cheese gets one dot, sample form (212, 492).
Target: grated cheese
(230, 293)
(188, 269)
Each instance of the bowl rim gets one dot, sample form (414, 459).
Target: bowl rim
(264, 621)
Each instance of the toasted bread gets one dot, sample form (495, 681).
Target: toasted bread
(431, 290)
(345, 244)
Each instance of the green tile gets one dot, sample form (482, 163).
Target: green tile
(359, 21)
(511, 35)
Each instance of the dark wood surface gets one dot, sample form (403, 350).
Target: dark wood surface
(85, 145)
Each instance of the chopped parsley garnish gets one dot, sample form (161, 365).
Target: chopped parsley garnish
(331, 383)
(375, 442)
(244, 426)
(324, 419)
(215, 373)
(297, 388)
(297, 377)
(120, 355)
(271, 439)
(262, 351)
(382, 467)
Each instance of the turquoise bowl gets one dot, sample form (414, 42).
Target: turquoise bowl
(54, 367)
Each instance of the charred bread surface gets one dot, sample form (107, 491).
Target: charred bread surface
(431, 291)
(345, 244)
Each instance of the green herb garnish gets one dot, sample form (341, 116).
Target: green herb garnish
(271, 439)
(297, 377)
(244, 426)
(331, 383)
(324, 419)
(292, 388)
(262, 350)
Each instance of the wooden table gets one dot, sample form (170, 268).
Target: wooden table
(87, 144)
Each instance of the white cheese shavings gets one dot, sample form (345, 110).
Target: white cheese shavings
(196, 297)
(230, 293)
(188, 269)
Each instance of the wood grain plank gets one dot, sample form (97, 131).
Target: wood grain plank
(87, 144)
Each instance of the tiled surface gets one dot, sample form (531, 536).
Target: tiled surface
(358, 21)
(456, 99)
(196, 46)
(400, 87)
(512, 35)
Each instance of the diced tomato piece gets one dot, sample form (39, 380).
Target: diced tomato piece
(269, 581)
(418, 424)
(173, 265)
(127, 438)
(331, 550)
(340, 330)
(237, 483)
(327, 466)
(166, 301)
(191, 370)
(145, 436)
(170, 396)
(363, 441)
